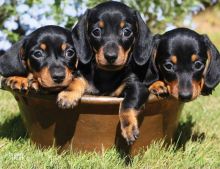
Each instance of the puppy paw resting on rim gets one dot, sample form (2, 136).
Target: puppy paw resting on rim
(188, 64)
(45, 59)
(109, 39)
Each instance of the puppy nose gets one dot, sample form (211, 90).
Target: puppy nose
(111, 57)
(185, 96)
(58, 77)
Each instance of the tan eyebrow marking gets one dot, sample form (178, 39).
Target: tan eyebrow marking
(43, 46)
(101, 24)
(173, 59)
(194, 57)
(122, 24)
(63, 46)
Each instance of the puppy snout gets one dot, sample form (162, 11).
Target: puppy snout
(58, 75)
(185, 96)
(111, 57)
(111, 52)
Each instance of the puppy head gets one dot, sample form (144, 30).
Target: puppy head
(188, 62)
(109, 33)
(50, 55)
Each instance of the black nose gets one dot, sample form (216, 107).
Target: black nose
(185, 96)
(58, 76)
(111, 57)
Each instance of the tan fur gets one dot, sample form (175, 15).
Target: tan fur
(63, 46)
(158, 88)
(119, 63)
(122, 56)
(173, 59)
(207, 63)
(70, 97)
(194, 58)
(17, 82)
(128, 117)
(118, 91)
(100, 58)
(45, 80)
(122, 24)
(43, 46)
(101, 24)
(173, 89)
(196, 88)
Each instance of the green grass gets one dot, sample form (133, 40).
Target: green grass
(198, 142)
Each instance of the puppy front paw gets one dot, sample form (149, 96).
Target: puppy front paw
(68, 99)
(33, 85)
(129, 125)
(159, 88)
(130, 132)
(17, 83)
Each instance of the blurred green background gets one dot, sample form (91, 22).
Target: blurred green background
(19, 18)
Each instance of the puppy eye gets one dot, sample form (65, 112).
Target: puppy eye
(96, 32)
(168, 66)
(127, 32)
(38, 54)
(198, 65)
(70, 53)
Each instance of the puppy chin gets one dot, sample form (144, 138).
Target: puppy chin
(52, 86)
(184, 100)
(110, 67)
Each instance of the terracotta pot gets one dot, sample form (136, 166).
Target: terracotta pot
(94, 124)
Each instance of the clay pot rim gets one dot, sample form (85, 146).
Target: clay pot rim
(86, 99)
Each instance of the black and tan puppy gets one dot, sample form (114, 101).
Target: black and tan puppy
(109, 38)
(188, 64)
(46, 58)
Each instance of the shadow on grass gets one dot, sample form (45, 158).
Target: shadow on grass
(13, 129)
(184, 134)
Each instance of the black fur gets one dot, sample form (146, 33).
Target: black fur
(11, 63)
(212, 75)
(80, 38)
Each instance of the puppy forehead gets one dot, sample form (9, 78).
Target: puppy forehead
(183, 47)
(112, 15)
(49, 41)
(111, 7)
(54, 38)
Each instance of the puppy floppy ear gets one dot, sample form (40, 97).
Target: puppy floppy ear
(2, 52)
(212, 73)
(152, 73)
(80, 39)
(12, 61)
(143, 44)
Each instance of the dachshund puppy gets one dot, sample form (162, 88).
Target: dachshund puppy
(109, 38)
(188, 64)
(46, 58)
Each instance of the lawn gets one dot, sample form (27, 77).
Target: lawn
(198, 135)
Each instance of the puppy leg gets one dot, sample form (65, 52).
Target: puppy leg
(70, 97)
(17, 83)
(22, 83)
(159, 88)
(118, 91)
(33, 83)
(135, 97)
